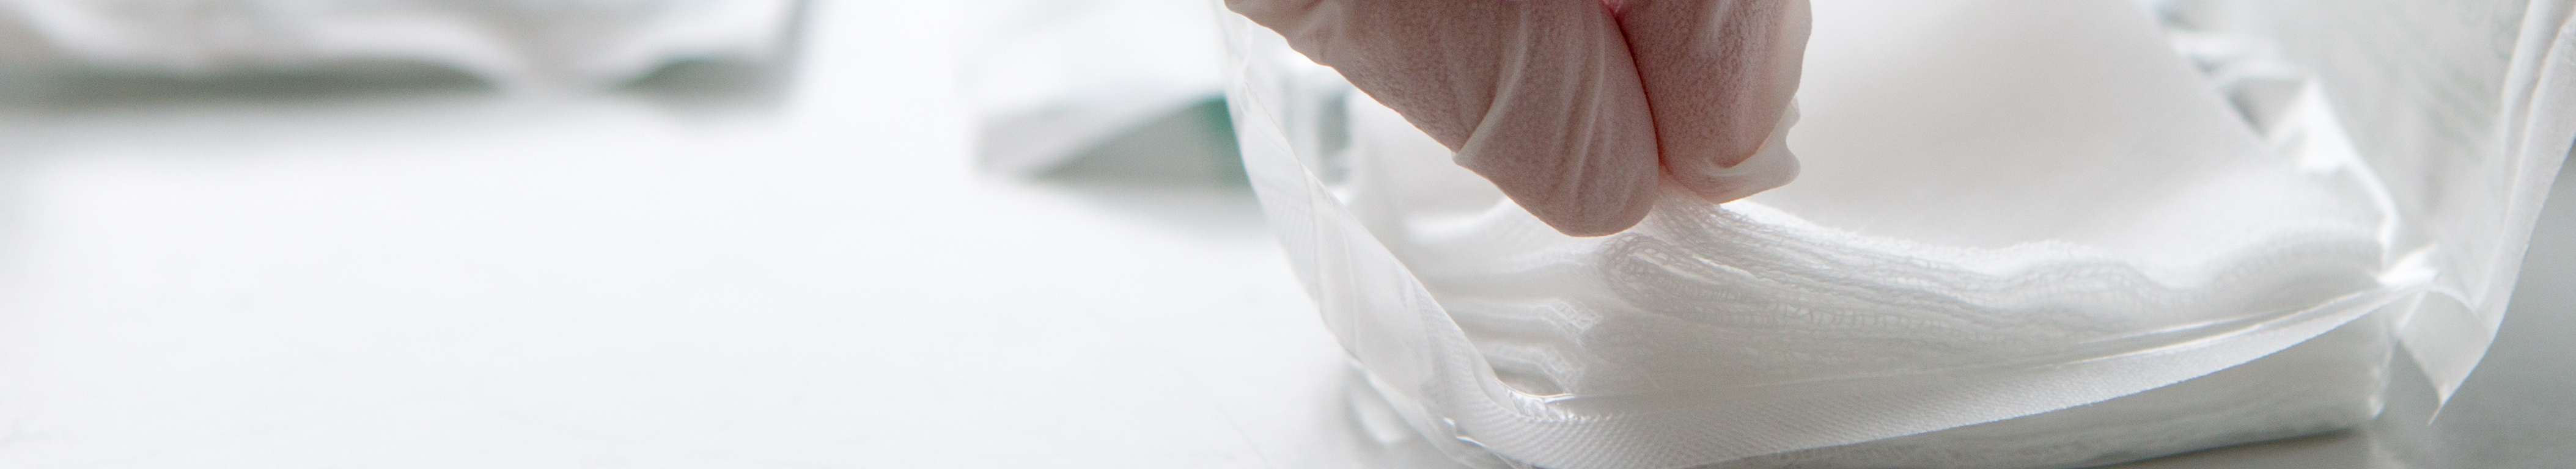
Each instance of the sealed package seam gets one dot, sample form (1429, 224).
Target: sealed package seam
(2023, 223)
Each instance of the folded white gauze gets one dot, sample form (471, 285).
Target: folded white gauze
(2021, 224)
(514, 44)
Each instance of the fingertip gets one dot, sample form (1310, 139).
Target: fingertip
(1722, 77)
(1611, 192)
(1765, 171)
(1771, 166)
(1597, 218)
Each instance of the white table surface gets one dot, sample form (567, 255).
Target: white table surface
(450, 278)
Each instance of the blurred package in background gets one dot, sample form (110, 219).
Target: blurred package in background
(1049, 79)
(514, 45)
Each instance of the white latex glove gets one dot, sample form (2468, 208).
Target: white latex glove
(1578, 109)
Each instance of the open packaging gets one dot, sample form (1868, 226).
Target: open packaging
(2028, 234)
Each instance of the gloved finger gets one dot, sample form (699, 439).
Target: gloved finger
(1538, 96)
(1719, 75)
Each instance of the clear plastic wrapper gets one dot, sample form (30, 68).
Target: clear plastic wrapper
(2028, 234)
(2464, 109)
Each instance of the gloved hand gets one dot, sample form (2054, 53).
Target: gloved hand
(1580, 110)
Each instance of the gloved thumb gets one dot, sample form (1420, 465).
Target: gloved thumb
(1558, 103)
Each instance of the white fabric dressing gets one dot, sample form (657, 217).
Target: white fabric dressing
(2020, 225)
